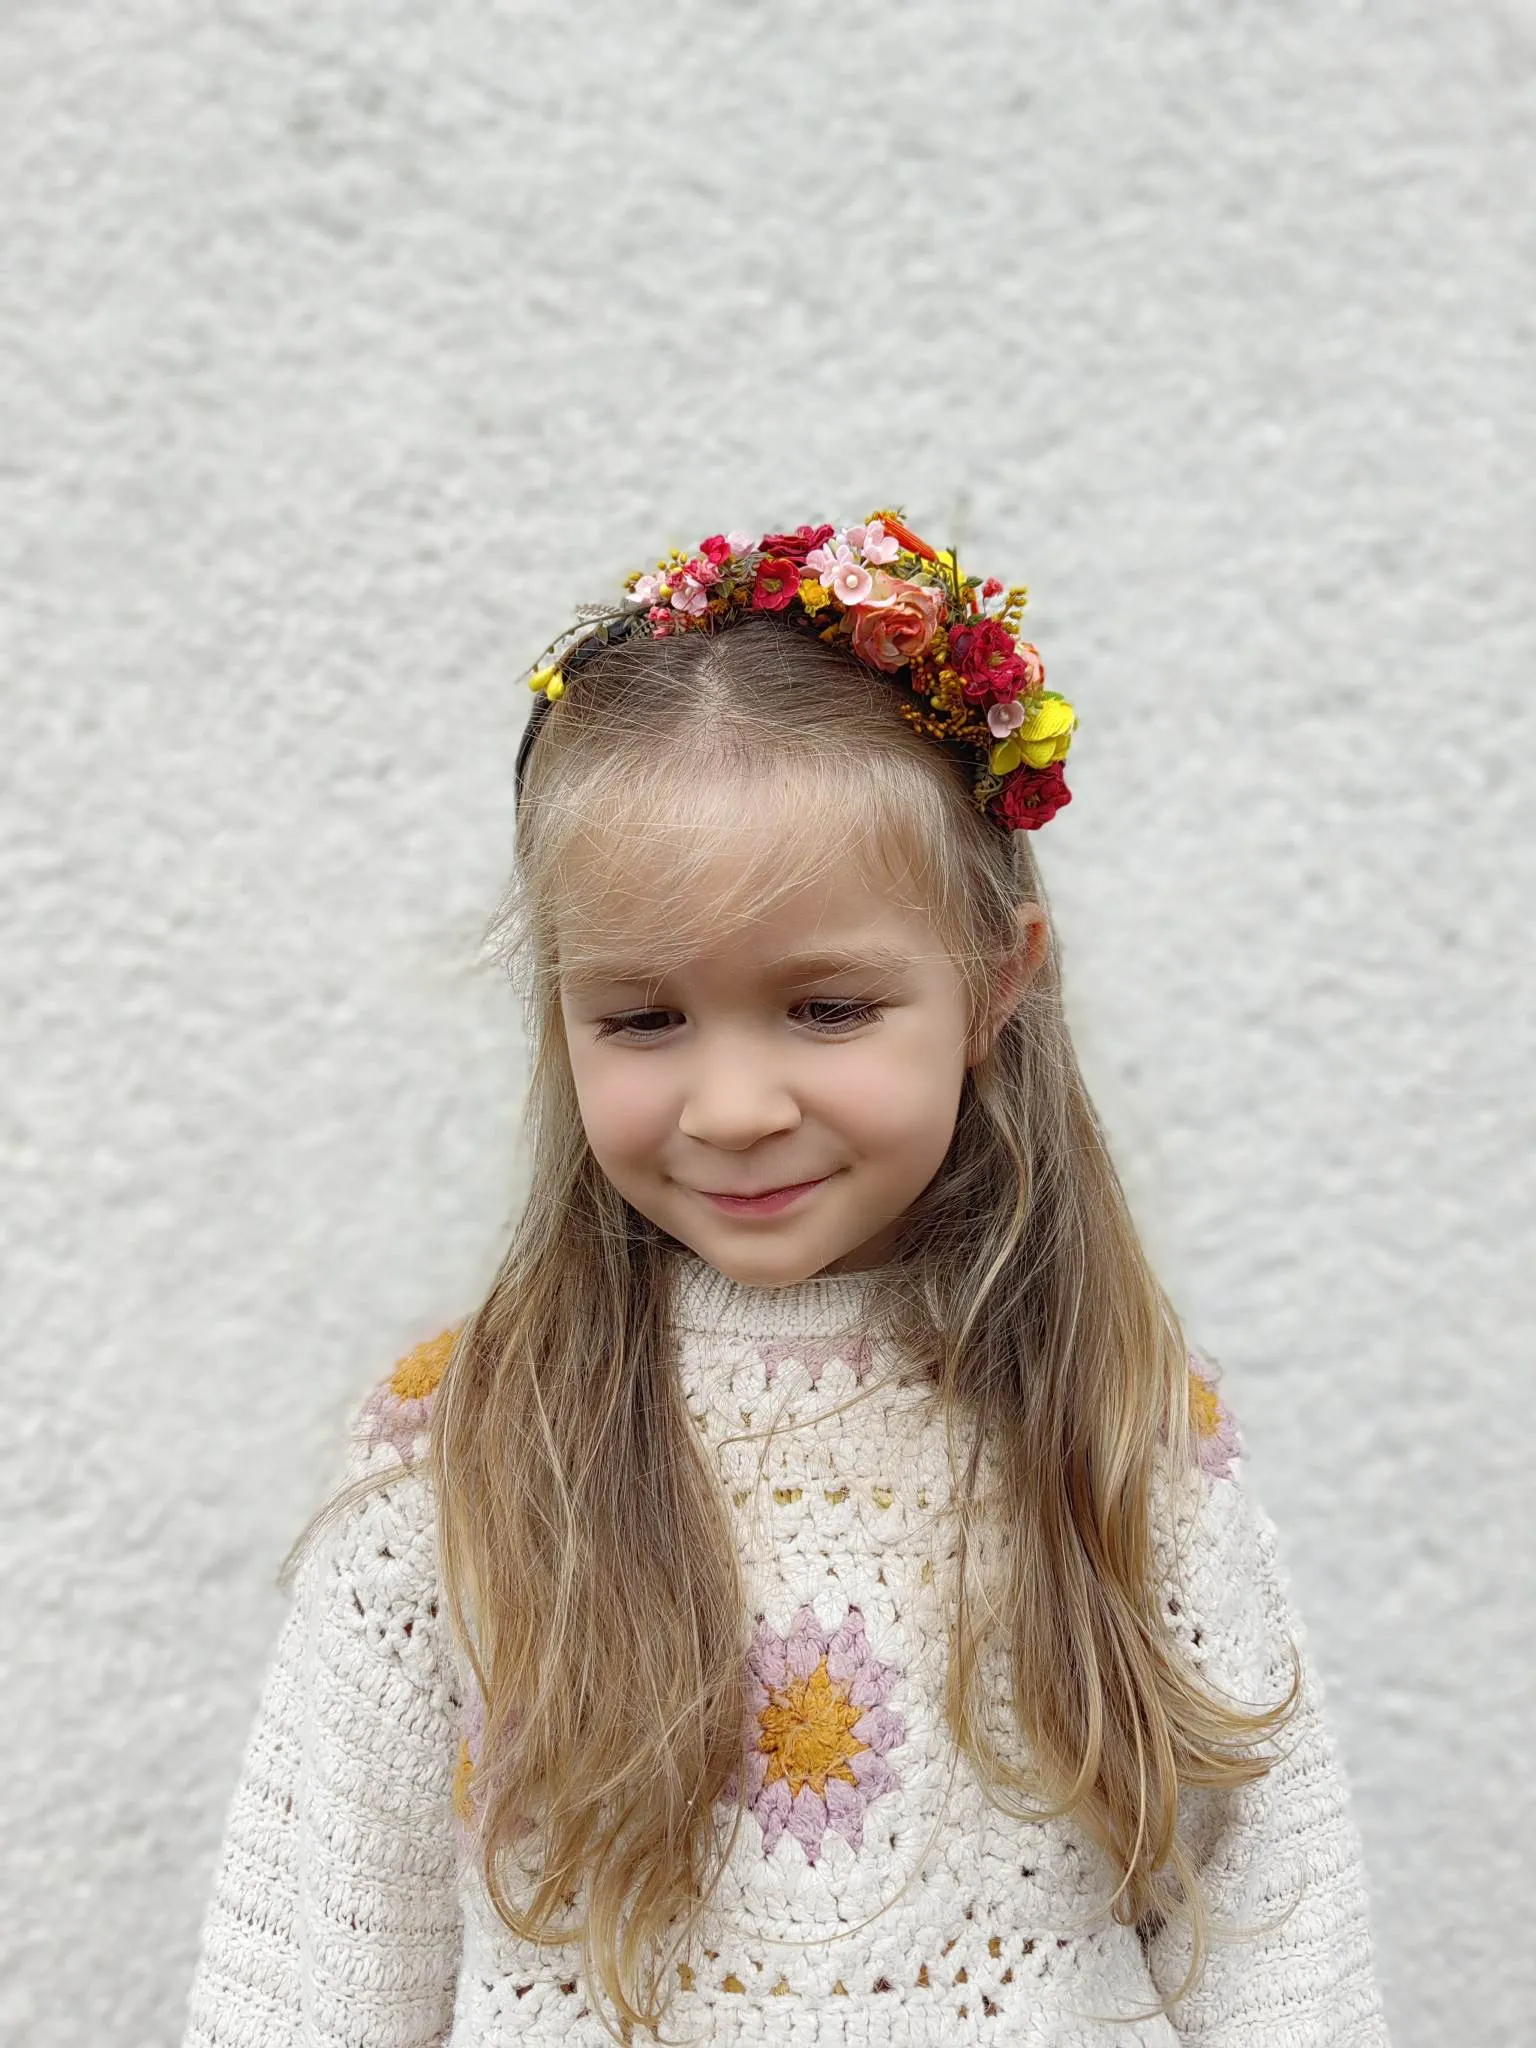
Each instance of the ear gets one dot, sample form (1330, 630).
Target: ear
(1018, 971)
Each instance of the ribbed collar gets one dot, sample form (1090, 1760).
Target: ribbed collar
(709, 1303)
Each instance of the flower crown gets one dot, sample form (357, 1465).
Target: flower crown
(903, 608)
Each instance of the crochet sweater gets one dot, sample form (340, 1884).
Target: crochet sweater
(874, 1895)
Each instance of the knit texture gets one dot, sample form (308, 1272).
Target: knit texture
(873, 1894)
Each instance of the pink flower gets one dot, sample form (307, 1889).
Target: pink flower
(1032, 667)
(1003, 719)
(702, 570)
(742, 543)
(689, 599)
(896, 622)
(850, 583)
(647, 590)
(991, 588)
(873, 542)
(716, 549)
(823, 562)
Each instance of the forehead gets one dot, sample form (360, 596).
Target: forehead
(756, 897)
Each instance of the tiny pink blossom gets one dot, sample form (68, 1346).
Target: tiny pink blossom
(1005, 718)
(854, 536)
(877, 546)
(823, 562)
(703, 571)
(850, 583)
(647, 590)
(689, 599)
(742, 543)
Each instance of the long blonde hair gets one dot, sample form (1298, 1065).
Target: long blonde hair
(588, 1563)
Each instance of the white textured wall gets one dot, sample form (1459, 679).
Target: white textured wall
(345, 346)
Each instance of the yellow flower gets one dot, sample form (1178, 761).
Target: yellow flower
(1044, 737)
(548, 680)
(812, 596)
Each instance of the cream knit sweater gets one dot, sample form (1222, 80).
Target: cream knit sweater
(873, 1896)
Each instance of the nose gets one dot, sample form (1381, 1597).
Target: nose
(735, 1094)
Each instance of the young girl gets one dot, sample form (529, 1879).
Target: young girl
(814, 1597)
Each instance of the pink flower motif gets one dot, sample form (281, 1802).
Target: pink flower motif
(991, 588)
(742, 543)
(821, 1731)
(824, 562)
(647, 590)
(716, 549)
(815, 1354)
(703, 571)
(1213, 1425)
(850, 583)
(1003, 719)
(387, 1419)
(689, 599)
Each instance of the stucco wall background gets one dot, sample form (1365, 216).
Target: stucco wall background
(344, 348)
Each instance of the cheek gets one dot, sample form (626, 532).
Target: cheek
(620, 1108)
(905, 1094)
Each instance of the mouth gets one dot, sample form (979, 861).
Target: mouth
(767, 1203)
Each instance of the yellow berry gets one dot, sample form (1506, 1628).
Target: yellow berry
(554, 690)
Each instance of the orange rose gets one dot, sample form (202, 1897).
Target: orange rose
(896, 622)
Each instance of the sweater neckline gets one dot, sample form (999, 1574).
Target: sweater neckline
(707, 1301)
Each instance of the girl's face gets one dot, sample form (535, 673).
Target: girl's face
(825, 1044)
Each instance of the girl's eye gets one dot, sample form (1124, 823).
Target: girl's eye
(845, 1017)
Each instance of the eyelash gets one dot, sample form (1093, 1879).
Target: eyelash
(852, 1014)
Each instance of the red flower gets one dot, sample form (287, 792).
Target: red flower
(796, 545)
(778, 581)
(993, 670)
(1031, 797)
(717, 548)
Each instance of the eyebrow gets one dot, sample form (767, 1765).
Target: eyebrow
(790, 967)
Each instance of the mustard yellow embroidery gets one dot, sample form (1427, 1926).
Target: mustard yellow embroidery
(806, 1732)
(419, 1372)
(463, 1772)
(1204, 1407)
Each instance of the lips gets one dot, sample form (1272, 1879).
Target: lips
(757, 1194)
(772, 1202)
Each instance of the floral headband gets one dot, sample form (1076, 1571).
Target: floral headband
(902, 607)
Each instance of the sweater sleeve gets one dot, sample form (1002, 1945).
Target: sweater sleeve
(1289, 1963)
(334, 1914)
